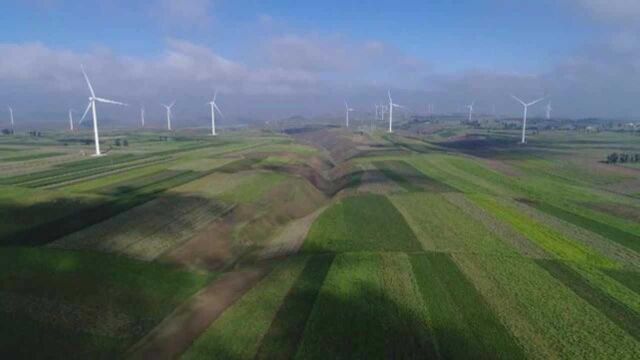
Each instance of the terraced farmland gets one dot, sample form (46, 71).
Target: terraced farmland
(323, 244)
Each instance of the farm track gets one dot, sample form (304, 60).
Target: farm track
(175, 334)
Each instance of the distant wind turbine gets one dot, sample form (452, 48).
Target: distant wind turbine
(214, 108)
(71, 120)
(348, 110)
(391, 106)
(470, 107)
(168, 107)
(524, 118)
(142, 111)
(11, 116)
(93, 99)
(549, 108)
(377, 112)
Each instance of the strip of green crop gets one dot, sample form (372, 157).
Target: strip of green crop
(627, 278)
(282, 339)
(94, 213)
(440, 226)
(238, 332)
(127, 186)
(461, 319)
(612, 233)
(549, 239)
(358, 313)
(116, 288)
(361, 223)
(410, 178)
(547, 317)
(31, 157)
(618, 313)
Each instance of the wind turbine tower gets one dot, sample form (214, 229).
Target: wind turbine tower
(391, 106)
(71, 120)
(549, 108)
(470, 107)
(214, 108)
(142, 112)
(524, 117)
(93, 100)
(168, 107)
(348, 110)
(11, 117)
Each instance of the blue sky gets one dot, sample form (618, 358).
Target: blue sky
(261, 49)
(452, 35)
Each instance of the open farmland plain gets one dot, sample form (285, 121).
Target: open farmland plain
(321, 244)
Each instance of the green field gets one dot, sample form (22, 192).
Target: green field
(451, 244)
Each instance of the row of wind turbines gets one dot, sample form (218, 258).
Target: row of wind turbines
(94, 100)
(381, 109)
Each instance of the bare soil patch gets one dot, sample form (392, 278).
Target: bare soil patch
(177, 332)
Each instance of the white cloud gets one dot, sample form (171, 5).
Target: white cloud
(184, 13)
(612, 10)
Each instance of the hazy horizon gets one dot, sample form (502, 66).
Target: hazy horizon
(275, 60)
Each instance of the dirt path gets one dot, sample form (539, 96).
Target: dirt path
(291, 238)
(175, 334)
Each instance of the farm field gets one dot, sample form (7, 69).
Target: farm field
(325, 243)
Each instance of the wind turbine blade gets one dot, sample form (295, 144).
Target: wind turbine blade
(173, 103)
(217, 108)
(535, 102)
(518, 100)
(389, 92)
(215, 95)
(107, 101)
(85, 113)
(93, 94)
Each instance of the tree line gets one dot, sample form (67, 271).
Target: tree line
(622, 158)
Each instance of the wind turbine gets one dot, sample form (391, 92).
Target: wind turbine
(142, 116)
(93, 99)
(377, 113)
(524, 118)
(71, 120)
(391, 106)
(11, 116)
(470, 107)
(348, 110)
(214, 108)
(168, 107)
(549, 108)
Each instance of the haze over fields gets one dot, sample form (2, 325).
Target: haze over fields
(218, 179)
(281, 58)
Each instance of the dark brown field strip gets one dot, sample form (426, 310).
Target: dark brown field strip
(175, 334)
(619, 236)
(618, 313)
(627, 278)
(282, 339)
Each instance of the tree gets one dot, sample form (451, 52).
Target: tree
(612, 158)
(624, 158)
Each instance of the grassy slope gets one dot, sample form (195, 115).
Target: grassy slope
(231, 336)
(363, 223)
(369, 307)
(83, 305)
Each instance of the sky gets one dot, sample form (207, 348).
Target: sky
(280, 58)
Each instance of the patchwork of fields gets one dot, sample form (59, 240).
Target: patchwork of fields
(326, 244)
